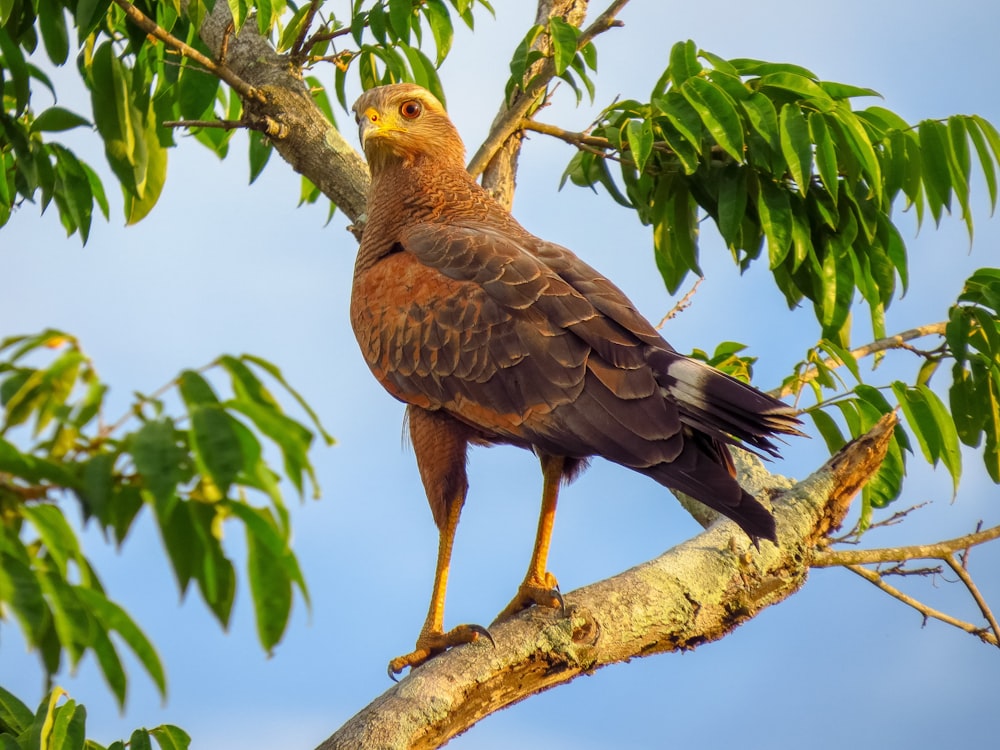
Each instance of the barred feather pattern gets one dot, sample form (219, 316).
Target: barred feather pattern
(460, 311)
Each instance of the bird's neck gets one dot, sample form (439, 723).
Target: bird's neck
(406, 193)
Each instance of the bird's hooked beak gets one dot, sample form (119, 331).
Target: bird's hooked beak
(371, 124)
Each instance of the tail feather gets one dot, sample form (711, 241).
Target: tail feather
(704, 471)
(721, 406)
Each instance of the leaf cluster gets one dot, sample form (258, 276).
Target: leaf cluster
(778, 158)
(61, 725)
(137, 83)
(193, 471)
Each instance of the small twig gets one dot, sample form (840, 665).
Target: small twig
(928, 612)
(964, 556)
(145, 23)
(938, 551)
(220, 124)
(962, 573)
(296, 51)
(854, 535)
(901, 570)
(266, 125)
(681, 305)
(880, 345)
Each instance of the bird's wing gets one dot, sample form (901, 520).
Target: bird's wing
(471, 319)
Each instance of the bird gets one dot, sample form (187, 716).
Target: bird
(493, 336)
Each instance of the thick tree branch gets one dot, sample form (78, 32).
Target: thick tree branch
(693, 594)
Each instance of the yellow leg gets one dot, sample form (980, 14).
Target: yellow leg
(432, 639)
(439, 443)
(539, 586)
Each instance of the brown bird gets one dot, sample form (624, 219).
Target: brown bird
(493, 336)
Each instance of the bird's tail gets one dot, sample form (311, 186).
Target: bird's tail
(704, 470)
(716, 404)
(717, 411)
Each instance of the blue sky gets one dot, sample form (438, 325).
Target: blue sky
(223, 267)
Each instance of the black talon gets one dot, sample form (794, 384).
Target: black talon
(562, 602)
(392, 675)
(483, 632)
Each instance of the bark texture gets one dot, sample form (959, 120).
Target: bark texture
(694, 593)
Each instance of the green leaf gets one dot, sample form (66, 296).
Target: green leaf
(775, 214)
(117, 120)
(270, 586)
(564, 39)
(826, 153)
(169, 737)
(934, 166)
(139, 740)
(58, 119)
(149, 188)
(718, 113)
(684, 62)
(796, 145)
(750, 67)
(52, 23)
(682, 116)
(275, 373)
(15, 65)
(802, 86)
(828, 429)
(291, 437)
(675, 233)
(732, 203)
(196, 92)
(56, 534)
(159, 459)
(442, 29)
(69, 727)
(640, 141)
(113, 618)
(260, 151)
(986, 160)
(22, 593)
(216, 445)
(400, 18)
(14, 715)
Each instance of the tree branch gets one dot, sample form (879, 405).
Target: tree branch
(144, 22)
(945, 551)
(897, 341)
(874, 578)
(285, 110)
(693, 594)
(511, 117)
(938, 550)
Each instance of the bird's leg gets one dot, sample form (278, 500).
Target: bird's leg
(539, 586)
(439, 443)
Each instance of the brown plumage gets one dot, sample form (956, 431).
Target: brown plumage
(494, 336)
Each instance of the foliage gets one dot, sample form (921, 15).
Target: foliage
(193, 471)
(138, 83)
(62, 726)
(777, 157)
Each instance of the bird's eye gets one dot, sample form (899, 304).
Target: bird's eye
(410, 109)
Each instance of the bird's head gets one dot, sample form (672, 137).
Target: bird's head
(403, 122)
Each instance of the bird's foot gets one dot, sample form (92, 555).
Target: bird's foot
(430, 645)
(542, 591)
